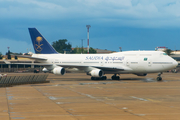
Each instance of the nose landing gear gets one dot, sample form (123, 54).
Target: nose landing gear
(159, 78)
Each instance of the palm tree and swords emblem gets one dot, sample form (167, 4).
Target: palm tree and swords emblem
(38, 46)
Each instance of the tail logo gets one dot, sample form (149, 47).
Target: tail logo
(38, 45)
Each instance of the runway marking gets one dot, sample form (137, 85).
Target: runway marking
(99, 87)
(108, 98)
(147, 99)
(142, 99)
(18, 117)
(153, 100)
(52, 98)
(10, 97)
(62, 103)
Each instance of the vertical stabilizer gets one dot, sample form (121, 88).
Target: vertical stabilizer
(40, 44)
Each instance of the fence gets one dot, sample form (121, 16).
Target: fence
(26, 79)
(20, 70)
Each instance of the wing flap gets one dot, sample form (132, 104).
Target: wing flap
(104, 68)
(109, 68)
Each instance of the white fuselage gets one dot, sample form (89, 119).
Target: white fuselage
(120, 62)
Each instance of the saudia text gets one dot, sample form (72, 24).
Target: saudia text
(107, 58)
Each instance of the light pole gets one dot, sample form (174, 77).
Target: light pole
(88, 26)
(82, 44)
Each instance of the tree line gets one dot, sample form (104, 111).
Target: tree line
(8, 54)
(63, 45)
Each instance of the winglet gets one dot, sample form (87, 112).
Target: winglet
(40, 44)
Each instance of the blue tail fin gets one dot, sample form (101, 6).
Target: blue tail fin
(40, 44)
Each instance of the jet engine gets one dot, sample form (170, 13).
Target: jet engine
(141, 74)
(59, 71)
(45, 70)
(96, 73)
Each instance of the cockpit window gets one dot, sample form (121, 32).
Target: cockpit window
(163, 54)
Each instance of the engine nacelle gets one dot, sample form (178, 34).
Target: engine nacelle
(141, 74)
(96, 73)
(45, 70)
(59, 71)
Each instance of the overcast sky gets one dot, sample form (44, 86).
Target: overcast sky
(130, 24)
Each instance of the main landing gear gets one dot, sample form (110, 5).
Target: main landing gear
(99, 78)
(114, 77)
(159, 78)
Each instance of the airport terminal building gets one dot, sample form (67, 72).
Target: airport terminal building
(15, 67)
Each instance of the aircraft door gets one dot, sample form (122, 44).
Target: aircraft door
(102, 63)
(127, 63)
(149, 62)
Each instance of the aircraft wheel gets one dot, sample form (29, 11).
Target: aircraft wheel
(104, 77)
(92, 78)
(159, 78)
(99, 78)
(115, 77)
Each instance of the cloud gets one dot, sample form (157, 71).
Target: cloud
(121, 12)
(30, 9)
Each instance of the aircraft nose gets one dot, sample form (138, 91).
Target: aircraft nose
(175, 63)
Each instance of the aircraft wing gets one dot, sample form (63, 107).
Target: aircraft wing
(109, 68)
(104, 68)
(85, 68)
(40, 64)
(34, 58)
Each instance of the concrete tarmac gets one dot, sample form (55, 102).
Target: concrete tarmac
(75, 97)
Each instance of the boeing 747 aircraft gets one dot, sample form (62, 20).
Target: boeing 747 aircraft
(97, 65)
